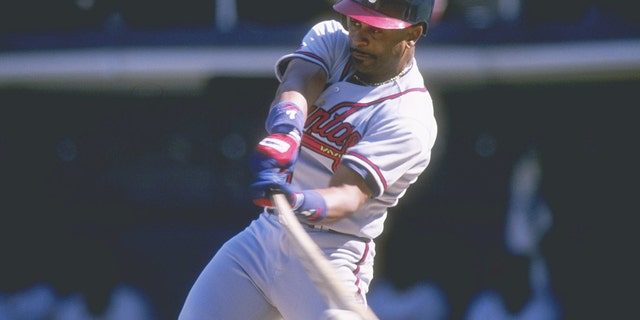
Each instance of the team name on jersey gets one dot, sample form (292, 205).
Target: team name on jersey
(327, 133)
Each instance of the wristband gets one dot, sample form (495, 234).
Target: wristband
(285, 117)
(309, 204)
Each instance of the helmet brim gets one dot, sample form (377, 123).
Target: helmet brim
(369, 16)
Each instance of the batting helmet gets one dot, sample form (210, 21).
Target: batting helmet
(387, 14)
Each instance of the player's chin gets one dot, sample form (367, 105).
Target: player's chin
(362, 65)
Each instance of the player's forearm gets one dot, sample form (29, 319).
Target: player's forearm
(342, 201)
(293, 96)
(346, 193)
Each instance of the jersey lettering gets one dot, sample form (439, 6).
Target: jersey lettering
(327, 132)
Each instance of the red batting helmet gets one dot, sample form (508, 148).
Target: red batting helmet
(387, 14)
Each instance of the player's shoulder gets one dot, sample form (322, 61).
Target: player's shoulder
(328, 27)
(415, 112)
(416, 103)
(412, 89)
(413, 101)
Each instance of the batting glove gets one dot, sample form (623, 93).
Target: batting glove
(280, 148)
(308, 205)
(267, 182)
(276, 151)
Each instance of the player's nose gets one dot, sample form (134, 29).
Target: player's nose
(360, 37)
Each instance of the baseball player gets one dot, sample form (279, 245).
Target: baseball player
(351, 127)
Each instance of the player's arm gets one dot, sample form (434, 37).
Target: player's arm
(301, 84)
(347, 191)
(276, 154)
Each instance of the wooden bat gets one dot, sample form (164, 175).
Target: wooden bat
(318, 266)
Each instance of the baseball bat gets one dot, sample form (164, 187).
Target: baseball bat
(318, 266)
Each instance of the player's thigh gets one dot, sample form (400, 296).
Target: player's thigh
(224, 291)
(296, 295)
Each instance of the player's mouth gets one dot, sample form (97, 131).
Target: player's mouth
(361, 56)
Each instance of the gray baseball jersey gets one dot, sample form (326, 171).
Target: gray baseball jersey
(384, 132)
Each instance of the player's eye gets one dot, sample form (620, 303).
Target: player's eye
(354, 23)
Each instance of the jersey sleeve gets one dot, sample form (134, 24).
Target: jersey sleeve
(393, 152)
(324, 44)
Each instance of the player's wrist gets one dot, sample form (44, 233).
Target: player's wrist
(285, 117)
(308, 205)
(291, 132)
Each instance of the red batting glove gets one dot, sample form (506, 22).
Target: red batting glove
(277, 150)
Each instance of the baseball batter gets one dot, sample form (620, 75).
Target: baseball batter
(350, 129)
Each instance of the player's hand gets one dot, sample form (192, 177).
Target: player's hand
(267, 182)
(276, 151)
(308, 205)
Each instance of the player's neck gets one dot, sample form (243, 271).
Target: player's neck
(364, 81)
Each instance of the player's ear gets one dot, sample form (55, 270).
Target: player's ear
(413, 34)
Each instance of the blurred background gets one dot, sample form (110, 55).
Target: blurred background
(125, 128)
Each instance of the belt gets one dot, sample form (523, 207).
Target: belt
(271, 211)
(326, 229)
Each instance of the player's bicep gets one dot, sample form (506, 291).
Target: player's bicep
(301, 80)
(388, 153)
(345, 176)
